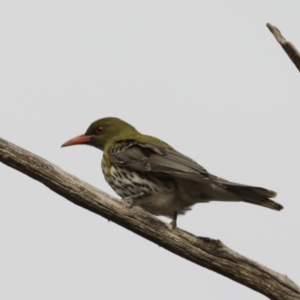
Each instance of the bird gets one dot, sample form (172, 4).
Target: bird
(147, 172)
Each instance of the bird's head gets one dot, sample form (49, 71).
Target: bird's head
(103, 132)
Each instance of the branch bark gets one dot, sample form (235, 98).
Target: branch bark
(208, 253)
(287, 46)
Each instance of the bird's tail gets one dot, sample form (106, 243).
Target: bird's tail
(254, 195)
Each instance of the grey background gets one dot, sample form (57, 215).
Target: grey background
(205, 76)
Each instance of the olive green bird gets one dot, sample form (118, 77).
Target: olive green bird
(147, 172)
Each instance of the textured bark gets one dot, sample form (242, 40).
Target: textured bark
(287, 46)
(208, 253)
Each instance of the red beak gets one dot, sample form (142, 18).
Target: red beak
(79, 140)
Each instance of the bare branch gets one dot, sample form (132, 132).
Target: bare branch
(211, 254)
(287, 46)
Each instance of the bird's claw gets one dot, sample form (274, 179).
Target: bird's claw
(132, 200)
(173, 224)
(128, 201)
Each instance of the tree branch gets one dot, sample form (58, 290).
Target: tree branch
(211, 254)
(287, 46)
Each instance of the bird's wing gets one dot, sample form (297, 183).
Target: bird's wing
(168, 162)
(153, 159)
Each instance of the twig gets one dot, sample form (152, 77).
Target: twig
(287, 46)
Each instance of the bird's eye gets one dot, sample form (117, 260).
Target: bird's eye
(99, 130)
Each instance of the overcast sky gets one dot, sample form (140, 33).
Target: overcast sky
(205, 76)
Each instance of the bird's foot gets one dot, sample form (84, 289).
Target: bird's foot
(173, 223)
(128, 201)
(132, 200)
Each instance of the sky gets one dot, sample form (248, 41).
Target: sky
(207, 77)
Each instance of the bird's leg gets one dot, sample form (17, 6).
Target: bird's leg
(174, 220)
(133, 200)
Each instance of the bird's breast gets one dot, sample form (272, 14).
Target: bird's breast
(126, 182)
